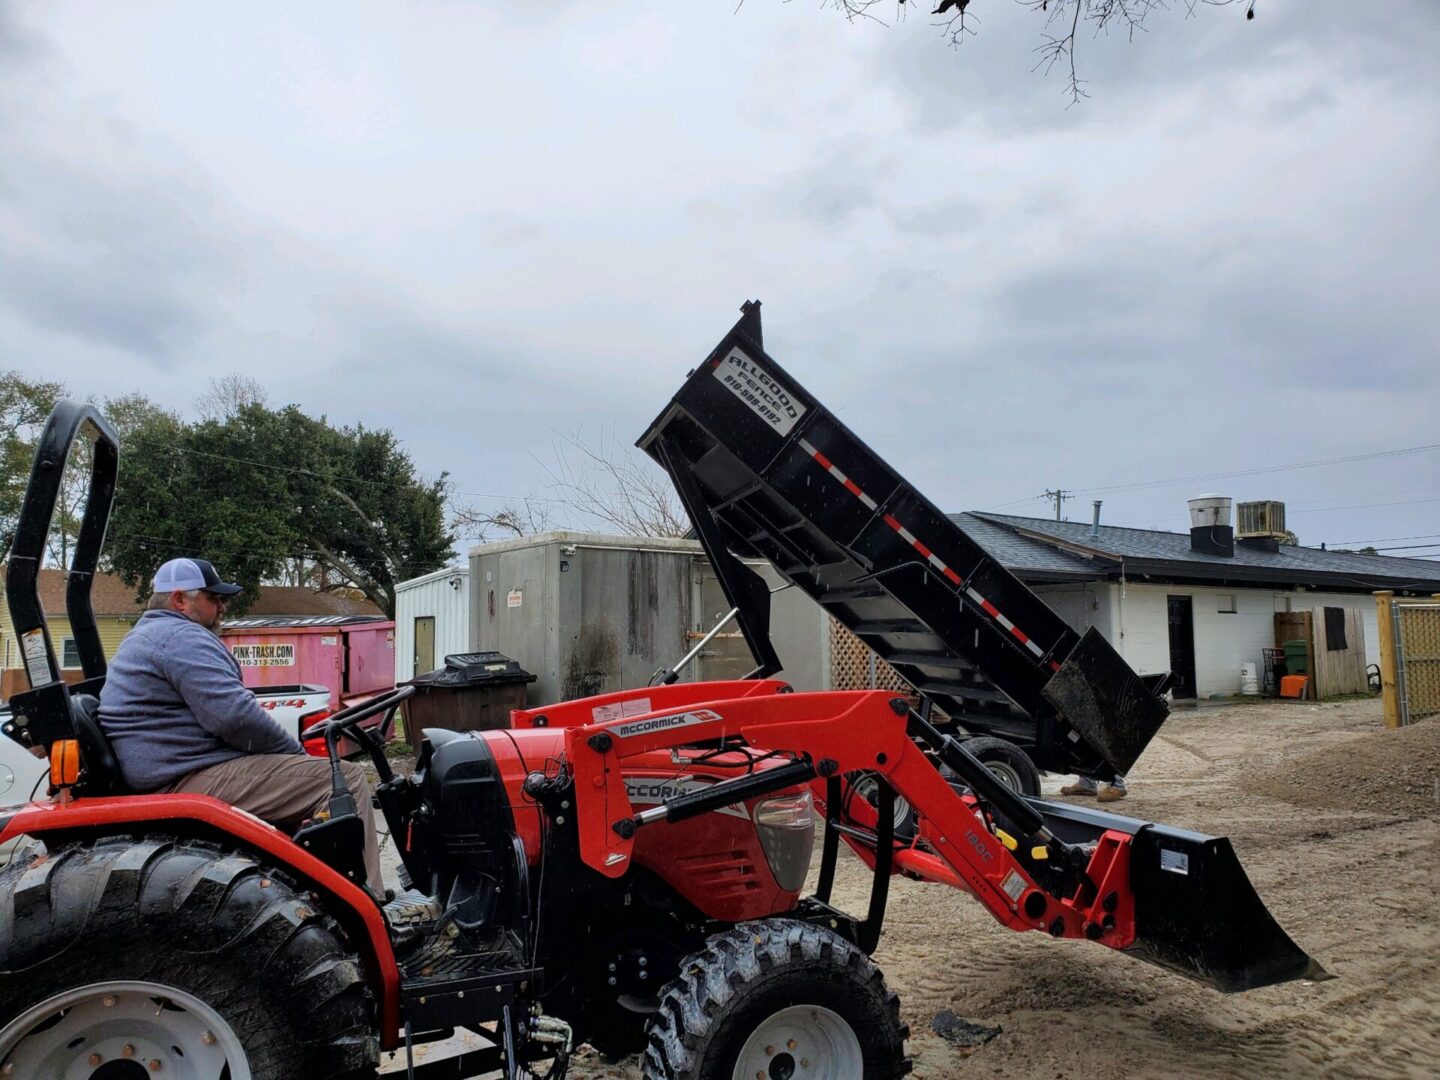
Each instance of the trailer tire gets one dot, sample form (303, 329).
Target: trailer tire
(737, 1004)
(1010, 765)
(193, 957)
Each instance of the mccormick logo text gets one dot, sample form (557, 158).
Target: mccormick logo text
(648, 791)
(664, 723)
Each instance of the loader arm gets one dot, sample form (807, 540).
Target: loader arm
(1172, 897)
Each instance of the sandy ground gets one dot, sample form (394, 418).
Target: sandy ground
(1352, 872)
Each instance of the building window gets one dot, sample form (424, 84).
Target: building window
(1225, 603)
(69, 653)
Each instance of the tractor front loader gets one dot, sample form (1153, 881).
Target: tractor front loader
(626, 870)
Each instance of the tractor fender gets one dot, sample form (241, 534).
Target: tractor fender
(204, 818)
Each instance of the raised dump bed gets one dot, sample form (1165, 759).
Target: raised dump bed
(763, 468)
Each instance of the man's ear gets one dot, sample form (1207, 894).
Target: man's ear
(177, 601)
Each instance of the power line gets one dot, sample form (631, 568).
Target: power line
(1387, 540)
(296, 470)
(1364, 506)
(1372, 456)
(1200, 477)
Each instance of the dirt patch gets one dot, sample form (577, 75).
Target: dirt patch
(1392, 772)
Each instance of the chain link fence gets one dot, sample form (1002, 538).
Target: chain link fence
(1417, 661)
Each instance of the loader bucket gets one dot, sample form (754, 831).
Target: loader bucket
(1196, 912)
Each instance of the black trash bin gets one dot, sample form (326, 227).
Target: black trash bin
(472, 692)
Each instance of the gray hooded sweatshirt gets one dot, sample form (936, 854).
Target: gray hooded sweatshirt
(173, 703)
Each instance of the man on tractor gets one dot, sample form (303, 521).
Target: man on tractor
(181, 720)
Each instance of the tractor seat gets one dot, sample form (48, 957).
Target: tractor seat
(100, 773)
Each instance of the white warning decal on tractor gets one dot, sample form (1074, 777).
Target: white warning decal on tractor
(652, 791)
(618, 710)
(1177, 862)
(1013, 885)
(652, 724)
(37, 660)
(758, 389)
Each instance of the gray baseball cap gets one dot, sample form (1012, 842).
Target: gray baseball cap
(187, 574)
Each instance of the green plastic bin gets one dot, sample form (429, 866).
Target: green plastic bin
(1297, 657)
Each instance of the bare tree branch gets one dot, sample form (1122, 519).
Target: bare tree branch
(228, 395)
(1062, 22)
(616, 487)
(524, 518)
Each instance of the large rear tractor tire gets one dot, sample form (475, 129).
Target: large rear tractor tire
(137, 957)
(777, 999)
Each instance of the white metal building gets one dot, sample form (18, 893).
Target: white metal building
(431, 620)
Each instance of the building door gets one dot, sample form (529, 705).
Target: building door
(727, 656)
(424, 645)
(1182, 645)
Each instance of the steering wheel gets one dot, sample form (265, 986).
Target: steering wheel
(332, 728)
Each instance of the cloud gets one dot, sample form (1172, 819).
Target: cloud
(98, 246)
(483, 227)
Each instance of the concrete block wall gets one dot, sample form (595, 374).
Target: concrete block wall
(1135, 618)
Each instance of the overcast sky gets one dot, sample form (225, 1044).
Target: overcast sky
(488, 225)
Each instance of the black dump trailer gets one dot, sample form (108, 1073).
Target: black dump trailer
(764, 469)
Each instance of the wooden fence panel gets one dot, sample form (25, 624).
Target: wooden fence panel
(1339, 671)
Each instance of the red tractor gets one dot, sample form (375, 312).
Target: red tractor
(625, 870)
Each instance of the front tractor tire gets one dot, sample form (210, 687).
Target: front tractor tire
(777, 999)
(175, 958)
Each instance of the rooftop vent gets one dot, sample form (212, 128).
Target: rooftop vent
(1210, 530)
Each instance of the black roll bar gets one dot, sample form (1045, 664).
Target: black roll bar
(68, 420)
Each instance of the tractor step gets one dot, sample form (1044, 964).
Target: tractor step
(450, 984)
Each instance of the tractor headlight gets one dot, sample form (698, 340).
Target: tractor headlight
(786, 825)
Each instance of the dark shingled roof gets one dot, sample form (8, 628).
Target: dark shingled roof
(111, 596)
(1039, 549)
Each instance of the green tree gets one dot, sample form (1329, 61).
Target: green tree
(24, 406)
(261, 489)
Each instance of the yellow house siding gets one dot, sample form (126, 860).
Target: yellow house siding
(112, 630)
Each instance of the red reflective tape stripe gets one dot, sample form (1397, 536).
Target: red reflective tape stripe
(1024, 638)
(1054, 666)
(922, 549)
(823, 461)
(889, 520)
(953, 576)
(989, 609)
(853, 488)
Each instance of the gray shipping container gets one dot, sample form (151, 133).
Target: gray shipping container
(591, 614)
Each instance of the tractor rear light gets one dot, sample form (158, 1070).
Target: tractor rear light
(786, 825)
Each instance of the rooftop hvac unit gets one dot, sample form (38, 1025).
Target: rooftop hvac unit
(1261, 519)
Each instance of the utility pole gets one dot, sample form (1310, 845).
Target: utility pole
(1059, 495)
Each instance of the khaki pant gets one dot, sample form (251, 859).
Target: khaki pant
(285, 789)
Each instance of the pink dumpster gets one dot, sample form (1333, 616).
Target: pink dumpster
(352, 656)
